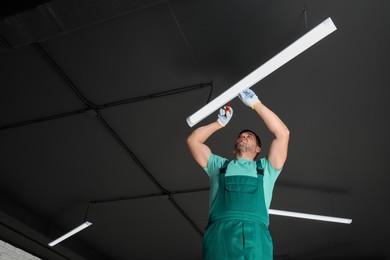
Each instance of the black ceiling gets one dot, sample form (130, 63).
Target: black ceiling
(94, 97)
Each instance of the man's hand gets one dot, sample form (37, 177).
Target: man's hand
(249, 98)
(224, 116)
(196, 141)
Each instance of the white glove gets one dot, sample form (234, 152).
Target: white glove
(249, 98)
(224, 116)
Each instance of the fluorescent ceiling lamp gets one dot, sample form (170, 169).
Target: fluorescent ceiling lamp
(300, 45)
(70, 233)
(309, 216)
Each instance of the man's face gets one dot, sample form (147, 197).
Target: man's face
(246, 142)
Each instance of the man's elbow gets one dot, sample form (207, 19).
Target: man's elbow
(191, 140)
(287, 133)
(284, 134)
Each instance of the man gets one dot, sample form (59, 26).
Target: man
(241, 189)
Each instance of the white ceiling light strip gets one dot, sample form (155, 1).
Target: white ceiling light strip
(300, 45)
(70, 233)
(309, 216)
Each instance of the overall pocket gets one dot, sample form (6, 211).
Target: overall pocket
(241, 193)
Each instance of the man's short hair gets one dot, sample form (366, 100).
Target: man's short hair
(258, 141)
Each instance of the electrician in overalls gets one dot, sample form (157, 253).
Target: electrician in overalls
(240, 189)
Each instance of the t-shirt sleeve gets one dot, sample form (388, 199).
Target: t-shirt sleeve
(269, 168)
(214, 164)
(270, 176)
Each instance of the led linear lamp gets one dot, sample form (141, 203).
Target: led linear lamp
(309, 216)
(294, 49)
(70, 233)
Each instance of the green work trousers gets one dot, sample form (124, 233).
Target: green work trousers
(238, 221)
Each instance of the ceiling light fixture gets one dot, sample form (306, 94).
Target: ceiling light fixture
(309, 216)
(70, 233)
(294, 49)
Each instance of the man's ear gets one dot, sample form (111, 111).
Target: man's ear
(258, 149)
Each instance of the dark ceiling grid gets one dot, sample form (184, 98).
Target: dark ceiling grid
(129, 152)
(63, 75)
(66, 208)
(157, 141)
(42, 119)
(164, 193)
(128, 234)
(340, 97)
(90, 105)
(94, 109)
(126, 52)
(149, 195)
(30, 89)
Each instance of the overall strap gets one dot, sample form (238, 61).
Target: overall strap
(222, 170)
(259, 168)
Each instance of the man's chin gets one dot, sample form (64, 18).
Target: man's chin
(240, 148)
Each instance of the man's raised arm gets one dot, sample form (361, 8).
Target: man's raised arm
(198, 137)
(279, 146)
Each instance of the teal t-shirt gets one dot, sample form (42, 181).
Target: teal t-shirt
(241, 167)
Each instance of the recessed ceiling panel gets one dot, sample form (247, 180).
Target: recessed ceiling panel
(231, 38)
(156, 131)
(31, 88)
(52, 166)
(298, 238)
(129, 56)
(149, 228)
(196, 206)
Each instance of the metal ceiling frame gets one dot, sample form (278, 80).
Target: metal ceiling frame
(90, 107)
(94, 109)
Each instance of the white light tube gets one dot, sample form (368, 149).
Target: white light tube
(70, 233)
(309, 216)
(294, 49)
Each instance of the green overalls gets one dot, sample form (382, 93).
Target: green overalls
(238, 220)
